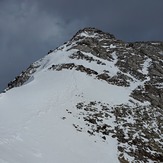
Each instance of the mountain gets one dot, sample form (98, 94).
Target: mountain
(95, 99)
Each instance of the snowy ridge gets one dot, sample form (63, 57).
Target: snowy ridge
(95, 99)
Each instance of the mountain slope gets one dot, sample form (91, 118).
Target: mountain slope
(94, 99)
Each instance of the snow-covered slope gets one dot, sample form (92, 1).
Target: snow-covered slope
(81, 104)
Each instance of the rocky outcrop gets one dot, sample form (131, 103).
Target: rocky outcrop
(137, 61)
(137, 130)
(23, 77)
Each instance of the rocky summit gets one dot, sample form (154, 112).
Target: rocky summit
(94, 99)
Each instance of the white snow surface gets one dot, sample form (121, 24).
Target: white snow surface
(32, 129)
(85, 34)
(112, 46)
(161, 52)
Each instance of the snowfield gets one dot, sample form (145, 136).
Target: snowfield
(32, 128)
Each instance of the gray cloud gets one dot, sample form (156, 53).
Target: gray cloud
(29, 29)
(142, 19)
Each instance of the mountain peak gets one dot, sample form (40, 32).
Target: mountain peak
(93, 33)
(90, 30)
(93, 99)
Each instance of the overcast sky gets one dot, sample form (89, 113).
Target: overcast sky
(30, 28)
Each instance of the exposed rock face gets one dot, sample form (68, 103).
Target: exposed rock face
(141, 60)
(133, 129)
(23, 77)
(137, 66)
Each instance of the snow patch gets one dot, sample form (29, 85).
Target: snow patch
(112, 46)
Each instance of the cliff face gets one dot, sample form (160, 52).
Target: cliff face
(108, 90)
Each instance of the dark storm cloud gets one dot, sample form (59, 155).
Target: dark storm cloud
(129, 19)
(29, 28)
(26, 34)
